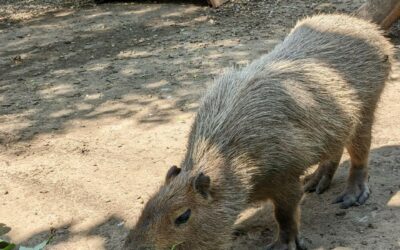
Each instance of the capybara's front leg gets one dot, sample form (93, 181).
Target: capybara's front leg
(320, 180)
(287, 215)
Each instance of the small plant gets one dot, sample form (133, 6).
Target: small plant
(174, 246)
(4, 245)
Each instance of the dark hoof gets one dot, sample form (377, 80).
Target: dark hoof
(296, 245)
(317, 182)
(300, 244)
(354, 195)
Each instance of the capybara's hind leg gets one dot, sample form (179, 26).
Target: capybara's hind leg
(357, 190)
(287, 215)
(320, 180)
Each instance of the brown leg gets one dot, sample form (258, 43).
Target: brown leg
(320, 180)
(357, 190)
(287, 215)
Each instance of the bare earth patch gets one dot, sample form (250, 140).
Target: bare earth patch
(96, 104)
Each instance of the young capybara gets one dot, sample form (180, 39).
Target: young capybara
(259, 128)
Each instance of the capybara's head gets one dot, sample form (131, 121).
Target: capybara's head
(180, 215)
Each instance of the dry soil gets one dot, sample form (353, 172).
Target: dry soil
(96, 104)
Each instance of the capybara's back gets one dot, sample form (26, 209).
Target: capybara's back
(259, 128)
(316, 85)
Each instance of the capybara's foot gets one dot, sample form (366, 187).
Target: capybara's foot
(355, 194)
(317, 182)
(281, 246)
(320, 180)
(298, 244)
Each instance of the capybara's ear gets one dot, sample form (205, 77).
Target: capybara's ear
(172, 172)
(202, 184)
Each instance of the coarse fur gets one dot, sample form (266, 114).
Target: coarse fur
(259, 128)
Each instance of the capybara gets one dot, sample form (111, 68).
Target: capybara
(259, 128)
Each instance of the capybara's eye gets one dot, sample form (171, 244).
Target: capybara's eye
(183, 218)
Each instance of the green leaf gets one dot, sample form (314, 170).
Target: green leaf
(4, 245)
(9, 247)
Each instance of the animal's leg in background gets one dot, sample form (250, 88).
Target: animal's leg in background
(320, 180)
(382, 12)
(287, 215)
(357, 190)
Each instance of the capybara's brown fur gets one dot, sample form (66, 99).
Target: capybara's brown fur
(259, 128)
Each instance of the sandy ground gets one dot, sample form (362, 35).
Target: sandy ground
(96, 104)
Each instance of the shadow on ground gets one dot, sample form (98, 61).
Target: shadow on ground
(140, 61)
(198, 2)
(47, 80)
(111, 230)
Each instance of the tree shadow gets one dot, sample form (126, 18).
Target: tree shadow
(4, 229)
(50, 83)
(198, 2)
(145, 62)
(111, 230)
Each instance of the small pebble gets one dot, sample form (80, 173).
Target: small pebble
(340, 213)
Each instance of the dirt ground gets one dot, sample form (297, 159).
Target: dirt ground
(96, 104)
